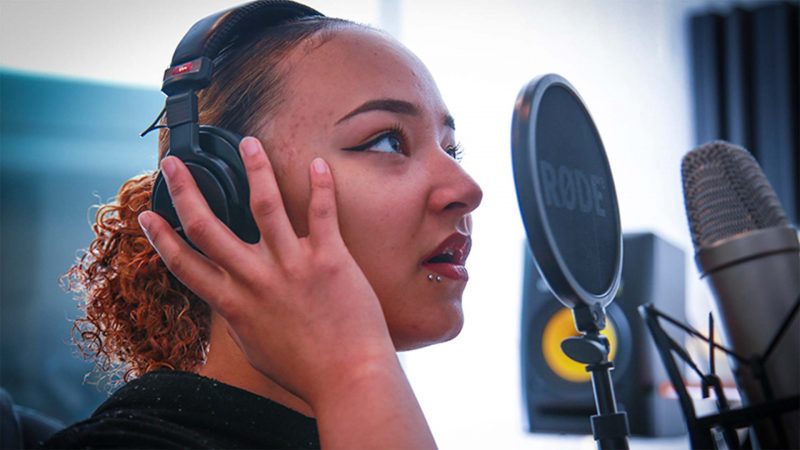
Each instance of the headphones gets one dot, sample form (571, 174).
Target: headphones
(210, 153)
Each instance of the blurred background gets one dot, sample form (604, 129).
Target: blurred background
(80, 79)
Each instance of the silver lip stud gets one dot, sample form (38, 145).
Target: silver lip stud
(430, 277)
(438, 278)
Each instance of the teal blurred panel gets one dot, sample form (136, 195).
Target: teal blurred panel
(65, 145)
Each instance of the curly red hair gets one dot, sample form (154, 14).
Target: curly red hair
(138, 316)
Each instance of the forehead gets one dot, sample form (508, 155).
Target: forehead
(356, 64)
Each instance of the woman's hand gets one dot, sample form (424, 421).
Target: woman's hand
(300, 308)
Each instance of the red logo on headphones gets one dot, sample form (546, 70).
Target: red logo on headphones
(183, 68)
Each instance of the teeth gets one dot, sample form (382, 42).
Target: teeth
(447, 256)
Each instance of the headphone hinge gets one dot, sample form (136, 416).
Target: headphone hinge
(182, 118)
(181, 108)
(194, 75)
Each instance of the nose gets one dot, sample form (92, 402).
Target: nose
(454, 191)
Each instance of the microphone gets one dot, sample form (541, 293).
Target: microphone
(749, 254)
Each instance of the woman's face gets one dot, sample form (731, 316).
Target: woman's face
(371, 109)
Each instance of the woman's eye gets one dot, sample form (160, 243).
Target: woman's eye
(455, 151)
(386, 143)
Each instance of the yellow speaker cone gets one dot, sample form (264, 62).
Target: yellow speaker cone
(560, 327)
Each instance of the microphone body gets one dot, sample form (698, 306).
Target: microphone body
(755, 279)
(750, 256)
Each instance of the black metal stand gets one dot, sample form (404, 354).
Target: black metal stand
(707, 432)
(609, 427)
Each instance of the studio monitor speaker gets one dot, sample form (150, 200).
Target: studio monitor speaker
(558, 391)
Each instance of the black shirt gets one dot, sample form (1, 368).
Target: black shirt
(170, 409)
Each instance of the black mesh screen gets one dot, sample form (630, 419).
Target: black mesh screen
(726, 193)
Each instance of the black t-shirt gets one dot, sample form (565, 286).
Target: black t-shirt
(170, 409)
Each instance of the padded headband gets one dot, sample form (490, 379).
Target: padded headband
(191, 66)
(211, 153)
(193, 62)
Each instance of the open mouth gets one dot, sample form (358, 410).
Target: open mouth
(450, 256)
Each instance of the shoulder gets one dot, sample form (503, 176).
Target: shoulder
(133, 418)
(170, 409)
(120, 429)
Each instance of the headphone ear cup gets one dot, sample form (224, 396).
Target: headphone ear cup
(223, 146)
(221, 178)
(209, 186)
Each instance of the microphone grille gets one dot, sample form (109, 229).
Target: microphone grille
(726, 193)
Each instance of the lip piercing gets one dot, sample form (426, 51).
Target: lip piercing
(438, 278)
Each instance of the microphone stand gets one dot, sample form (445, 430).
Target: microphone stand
(609, 427)
(705, 431)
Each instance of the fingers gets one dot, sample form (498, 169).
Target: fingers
(192, 269)
(265, 199)
(323, 221)
(199, 223)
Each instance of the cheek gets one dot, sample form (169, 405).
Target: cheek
(294, 187)
(380, 219)
(291, 147)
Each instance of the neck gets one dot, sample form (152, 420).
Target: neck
(226, 363)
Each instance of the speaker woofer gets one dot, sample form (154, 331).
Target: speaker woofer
(558, 392)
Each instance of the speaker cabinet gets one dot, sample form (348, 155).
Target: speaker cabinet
(558, 391)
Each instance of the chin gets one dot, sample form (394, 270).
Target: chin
(430, 331)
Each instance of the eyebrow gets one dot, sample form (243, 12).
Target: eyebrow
(394, 106)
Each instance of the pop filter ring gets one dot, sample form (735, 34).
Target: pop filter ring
(609, 427)
(549, 261)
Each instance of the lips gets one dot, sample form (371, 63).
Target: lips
(449, 257)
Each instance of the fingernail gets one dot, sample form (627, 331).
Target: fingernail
(249, 146)
(168, 167)
(145, 220)
(319, 166)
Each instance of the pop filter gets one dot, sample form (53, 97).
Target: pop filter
(569, 206)
(566, 194)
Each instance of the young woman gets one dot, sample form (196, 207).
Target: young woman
(363, 212)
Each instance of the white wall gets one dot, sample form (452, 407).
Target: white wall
(118, 41)
(628, 59)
